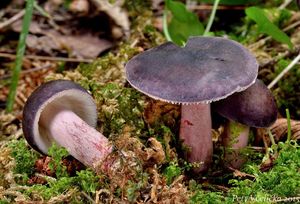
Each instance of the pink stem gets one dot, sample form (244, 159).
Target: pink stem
(81, 140)
(234, 144)
(195, 130)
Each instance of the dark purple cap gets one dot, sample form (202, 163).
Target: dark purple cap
(254, 107)
(65, 94)
(207, 69)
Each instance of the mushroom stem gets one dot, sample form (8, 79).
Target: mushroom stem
(235, 138)
(195, 131)
(81, 140)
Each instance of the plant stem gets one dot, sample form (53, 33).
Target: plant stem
(20, 54)
(211, 18)
(289, 129)
(165, 26)
(271, 137)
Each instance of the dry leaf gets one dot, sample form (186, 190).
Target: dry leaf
(34, 27)
(43, 43)
(115, 12)
(82, 46)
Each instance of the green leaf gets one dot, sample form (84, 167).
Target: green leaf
(266, 26)
(183, 23)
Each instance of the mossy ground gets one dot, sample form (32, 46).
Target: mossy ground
(150, 166)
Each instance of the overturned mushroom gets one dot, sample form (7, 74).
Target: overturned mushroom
(254, 107)
(63, 112)
(207, 69)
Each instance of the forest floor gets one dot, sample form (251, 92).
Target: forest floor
(144, 131)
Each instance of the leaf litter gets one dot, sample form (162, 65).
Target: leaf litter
(140, 156)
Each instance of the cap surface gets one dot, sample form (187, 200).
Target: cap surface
(254, 107)
(65, 94)
(207, 69)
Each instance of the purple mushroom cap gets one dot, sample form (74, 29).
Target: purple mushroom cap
(207, 69)
(65, 94)
(254, 107)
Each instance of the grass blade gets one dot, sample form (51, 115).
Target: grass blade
(211, 18)
(20, 54)
(289, 128)
(165, 26)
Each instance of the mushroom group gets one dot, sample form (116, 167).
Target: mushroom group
(206, 70)
(63, 112)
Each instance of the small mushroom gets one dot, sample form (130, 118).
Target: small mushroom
(207, 69)
(254, 107)
(63, 112)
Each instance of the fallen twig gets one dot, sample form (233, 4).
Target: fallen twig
(238, 173)
(36, 57)
(284, 71)
(12, 19)
(27, 71)
(285, 4)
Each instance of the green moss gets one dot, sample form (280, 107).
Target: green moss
(207, 198)
(88, 181)
(52, 189)
(172, 171)
(24, 157)
(118, 106)
(57, 154)
(283, 180)
(62, 186)
(85, 181)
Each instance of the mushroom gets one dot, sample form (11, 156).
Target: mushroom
(63, 112)
(254, 107)
(207, 69)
